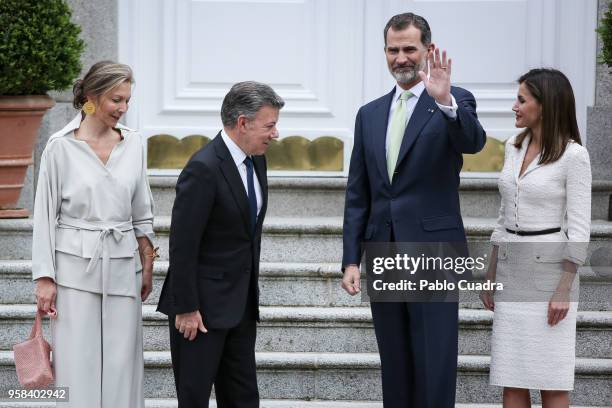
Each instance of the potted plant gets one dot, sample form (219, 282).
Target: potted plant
(40, 51)
(605, 31)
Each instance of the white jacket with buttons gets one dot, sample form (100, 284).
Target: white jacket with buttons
(547, 196)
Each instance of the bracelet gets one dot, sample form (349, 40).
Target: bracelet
(154, 253)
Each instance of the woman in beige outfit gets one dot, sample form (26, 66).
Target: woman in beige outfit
(92, 251)
(541, 238)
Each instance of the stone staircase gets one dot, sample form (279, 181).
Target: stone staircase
(315, 344)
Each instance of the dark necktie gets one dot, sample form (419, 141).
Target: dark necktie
(248, 162)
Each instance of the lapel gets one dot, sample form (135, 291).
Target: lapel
(423, 111)
(380, 134)
(262, 176)
(231, 175)
(533, 165)
(520, 157)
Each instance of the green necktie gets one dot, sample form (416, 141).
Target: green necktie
(396, 132)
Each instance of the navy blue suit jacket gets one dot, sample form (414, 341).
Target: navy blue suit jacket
(422, 203)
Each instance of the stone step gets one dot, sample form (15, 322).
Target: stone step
(287, 197)
(324, 197)
(285, 239)
(294, 284)
(289, 239)
(351, 376)
(327, 329)
(278, 403)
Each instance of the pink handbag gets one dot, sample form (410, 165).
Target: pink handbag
(33, 358)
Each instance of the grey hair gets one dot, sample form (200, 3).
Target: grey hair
(247, 98)
(101, 78)
(405, 20)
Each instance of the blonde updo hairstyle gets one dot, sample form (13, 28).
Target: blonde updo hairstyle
(102, 77)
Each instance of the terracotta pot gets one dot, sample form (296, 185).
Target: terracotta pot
(20, 118)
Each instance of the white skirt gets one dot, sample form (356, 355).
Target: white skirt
(528, 353)
(525, 351)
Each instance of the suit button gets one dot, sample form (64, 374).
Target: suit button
(388, 223)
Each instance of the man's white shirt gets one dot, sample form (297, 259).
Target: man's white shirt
(238, 155)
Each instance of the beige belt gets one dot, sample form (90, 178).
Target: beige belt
(107, 229)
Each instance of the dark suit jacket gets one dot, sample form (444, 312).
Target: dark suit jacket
(214, 257)
(422, 203)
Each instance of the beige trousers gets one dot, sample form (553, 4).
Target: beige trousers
(99, 359)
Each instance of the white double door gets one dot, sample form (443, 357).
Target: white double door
(325, 57)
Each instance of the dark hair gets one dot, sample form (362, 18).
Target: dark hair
(246, 98)
(405, 20)
(553, 91)
(101, 78)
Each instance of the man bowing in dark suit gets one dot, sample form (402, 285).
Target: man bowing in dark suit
(403, 187)
(211, 291)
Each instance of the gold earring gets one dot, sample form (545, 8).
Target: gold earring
(89, 108)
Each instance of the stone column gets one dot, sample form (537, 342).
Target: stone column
(99, 23)
(599, 122)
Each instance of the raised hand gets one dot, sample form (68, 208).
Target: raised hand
(438, 83)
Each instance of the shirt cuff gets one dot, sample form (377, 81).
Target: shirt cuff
(449, 111)
(42, 271)
(347, 265)
(144, 229)
(576, 252)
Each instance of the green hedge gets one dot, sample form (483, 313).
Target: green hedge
(605, 31)
(40, 47)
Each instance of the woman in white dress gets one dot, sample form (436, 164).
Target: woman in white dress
(92, 251)
(541, 238)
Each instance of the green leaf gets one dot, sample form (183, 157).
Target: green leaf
(605, 32)
(40, 47)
